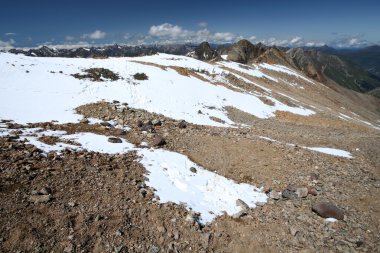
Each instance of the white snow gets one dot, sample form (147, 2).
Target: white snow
(252, 70)
(330, 220)
(283, 69)
(99, 143)
(331, 151)
(205, 192)
(49, 96)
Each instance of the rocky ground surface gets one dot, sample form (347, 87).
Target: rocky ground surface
(91, 202)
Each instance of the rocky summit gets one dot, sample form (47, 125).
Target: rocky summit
(184, 148)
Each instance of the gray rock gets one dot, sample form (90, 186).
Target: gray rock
(182, 124)
(154, 249)
(287, 194)
(302, 192)
(242, 204)
(293, 231)
(36, 199)
(274, 195)
(158, 141)
(328, 210)
(176, 235)
(161, 229)
(156, 122)
(194, 170)
(105, 124)
(114, 140)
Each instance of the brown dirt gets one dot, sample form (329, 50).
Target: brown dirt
(98, 203)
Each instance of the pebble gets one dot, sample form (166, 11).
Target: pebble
(161, 229)
(293, 231)
(302, 192)
(194, 170)
(182, 124)
(156, 122)
(158, 141)
(312, 191)
(105, 124)
(154, 249)
(287, 194)
(114, 140)
(274, 195)
(36, 199)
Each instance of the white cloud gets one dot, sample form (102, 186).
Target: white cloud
(169, 33)
(6, 45)
(9, 34)
(96, 35)
(202, 24)
(350, 41)
(296, 40)
(168, 30)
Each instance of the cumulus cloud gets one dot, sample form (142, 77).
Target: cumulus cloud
(170, 33)
(96, 35)
(6, 45)
(202, 24)
(168, 30)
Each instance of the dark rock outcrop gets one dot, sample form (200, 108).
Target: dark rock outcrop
(245, 52)
(204, 52)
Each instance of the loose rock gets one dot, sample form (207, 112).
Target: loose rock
(302, 192)
(274, 195)
(328, 210)
(242, 204)
(158, 141)
(37, 199)
(114, 140)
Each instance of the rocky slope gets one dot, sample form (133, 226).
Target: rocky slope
(323, 67)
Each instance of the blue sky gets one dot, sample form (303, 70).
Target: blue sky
(284, 23)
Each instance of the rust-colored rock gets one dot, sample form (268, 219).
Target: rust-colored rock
(328, 210)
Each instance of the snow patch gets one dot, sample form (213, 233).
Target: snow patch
(204, 192)
(331, 151)
(199, 190)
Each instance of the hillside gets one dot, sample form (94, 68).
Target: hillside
(324, 66)
(167, 153)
